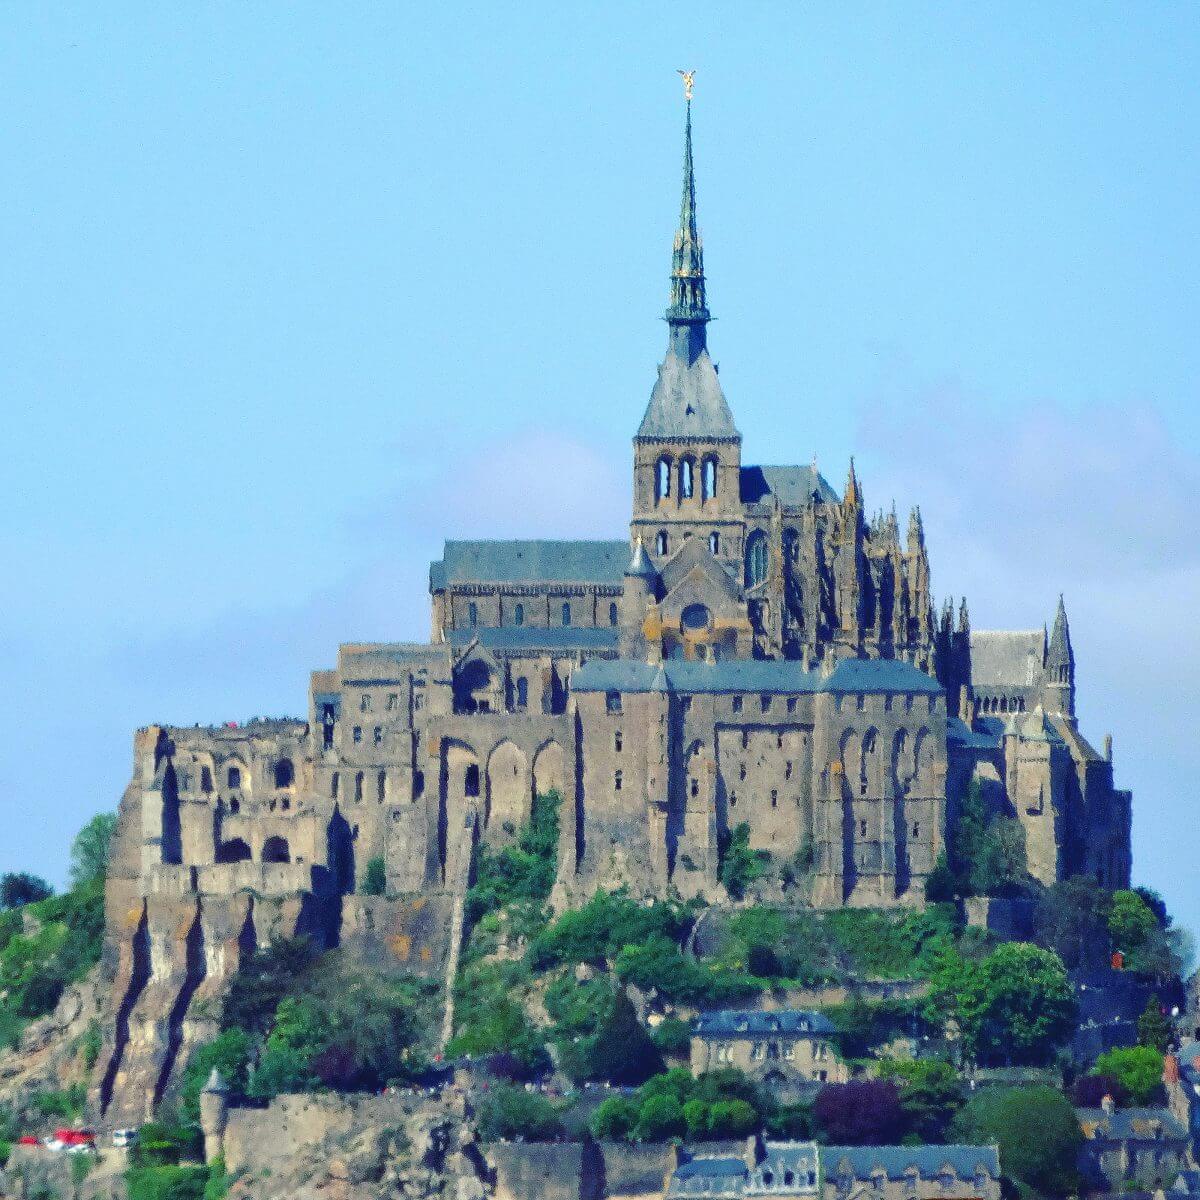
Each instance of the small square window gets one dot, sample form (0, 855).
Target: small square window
(612, 702)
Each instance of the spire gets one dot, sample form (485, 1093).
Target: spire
(1059, 652)
(687, 314)
(639, 564)
(964, 617)
(853, 495)
(916, 531)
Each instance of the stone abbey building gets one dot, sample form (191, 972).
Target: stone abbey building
(757, 650)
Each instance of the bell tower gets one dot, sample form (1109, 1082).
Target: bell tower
(687, 452)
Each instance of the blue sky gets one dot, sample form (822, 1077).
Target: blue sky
(295, 291)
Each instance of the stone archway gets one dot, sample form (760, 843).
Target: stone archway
(508, 792)
(549, 770)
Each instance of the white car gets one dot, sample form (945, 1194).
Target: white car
(123, 1138)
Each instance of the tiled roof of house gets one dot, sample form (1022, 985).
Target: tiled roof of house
(731, 1022)
(897, 1161)
(1129, 1124)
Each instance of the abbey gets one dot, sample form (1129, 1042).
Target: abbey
(758, 651)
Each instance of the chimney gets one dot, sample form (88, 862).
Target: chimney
(1107, 1104)
(1108, 747)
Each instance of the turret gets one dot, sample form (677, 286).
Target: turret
(1058, 672)
(638, 593)
(214, 1114)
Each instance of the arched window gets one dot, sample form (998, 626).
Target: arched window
(358, 782)
(285, 773)
(519, 615)
(522, 692)
(612, 613)
(686, 481)
(333, 786)
(714, 543)
(566, 613)
(473, 613)
(235, 850)
(756, 558)
(276, 850)
(662, 478)
(660, 542)
(708, 478)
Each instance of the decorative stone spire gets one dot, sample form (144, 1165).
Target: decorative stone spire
(1059, 652)
(853, 496)
(640, 565)
(688, 313)
(916, 531)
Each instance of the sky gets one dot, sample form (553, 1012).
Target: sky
(292, 292)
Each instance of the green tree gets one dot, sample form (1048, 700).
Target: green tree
(660, 1118)
(229, 1053)
(1137, 1068)
(374, 878)
(1000, 868)
(1017, 1006)
(1036, 1130)
(89, 851)
(1154, 1029)
(615, 1119)
(672, 1036)
(740, 865)
(930, 1094)
(20, 888)
(1131, 921)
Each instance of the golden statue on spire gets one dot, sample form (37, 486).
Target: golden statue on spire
(688, 78)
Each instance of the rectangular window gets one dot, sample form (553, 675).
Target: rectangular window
(381, 786)
(357, 734)
(765, 703)
(393, 702)
(737, 704)
(791, 704)
(566, 614)
(618, 742)
(364, 703)
(612, 701)
(377, 733)
(472, 613)
(617, 782)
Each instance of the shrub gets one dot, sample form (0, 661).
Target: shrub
(523, 873)
(606, 923)
(1036, 1130)
(66, 1104)
(598, 1034)
(1153, 1027)
(162, 1144)
(511, 1112)
(489, 1016)
(740, 865)
(658, 963)
(1138, 1069)
(860, 1113)
(374, 878)
(166, 1183)
(91, 1042)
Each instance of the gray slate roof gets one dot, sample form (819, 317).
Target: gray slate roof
(731, 1022)
(792, 485)
(1128, 1124)
(751, 675)
(1006, 658)
(864, 1161)
(532, 637)
(687, 402)
(536, 561)
(960, 734)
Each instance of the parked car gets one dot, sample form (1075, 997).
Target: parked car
(123, 1138)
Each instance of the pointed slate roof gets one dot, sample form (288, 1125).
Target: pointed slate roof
(1059, 652)
(687, 402)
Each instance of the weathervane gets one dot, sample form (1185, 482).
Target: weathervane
(688, 77)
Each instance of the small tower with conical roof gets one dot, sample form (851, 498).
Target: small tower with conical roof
(1058, 673)
(637, 595)
(214, 1115)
